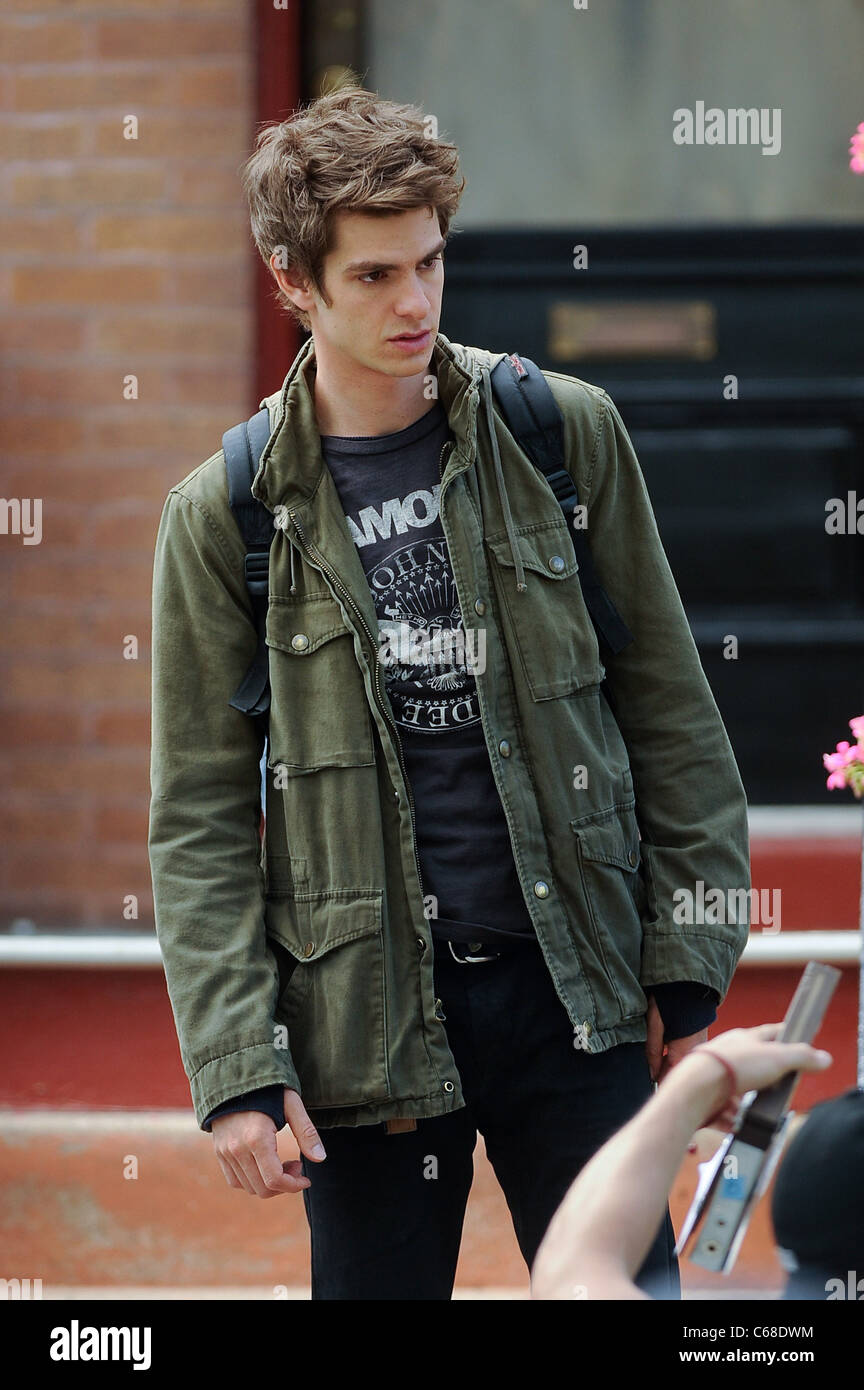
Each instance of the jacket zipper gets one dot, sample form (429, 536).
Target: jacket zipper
(309, 547)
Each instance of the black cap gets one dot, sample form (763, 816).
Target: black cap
(817, 1206)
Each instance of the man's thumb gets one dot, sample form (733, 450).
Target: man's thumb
(302, 1127)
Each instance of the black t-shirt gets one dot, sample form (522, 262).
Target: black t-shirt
(389, 487)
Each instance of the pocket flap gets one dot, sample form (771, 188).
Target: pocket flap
(300, 627)
(610, 837)
(311, 924)
(539, 546)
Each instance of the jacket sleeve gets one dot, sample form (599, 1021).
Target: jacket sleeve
(205, 809)
(690, 801)
(270, 1100)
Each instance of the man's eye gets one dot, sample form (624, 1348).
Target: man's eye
(370, 277)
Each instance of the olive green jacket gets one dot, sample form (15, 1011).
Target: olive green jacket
(307, 959)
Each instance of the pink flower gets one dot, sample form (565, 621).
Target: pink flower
(856, 150)
(846, 763)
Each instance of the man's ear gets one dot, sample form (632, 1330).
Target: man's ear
(291, 282)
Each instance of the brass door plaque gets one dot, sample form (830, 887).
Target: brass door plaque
(628, 328)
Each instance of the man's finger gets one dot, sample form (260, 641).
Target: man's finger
(276, 1176)
(302, 1127)
(229, 1174)
(236, 1168)
(245, 1165)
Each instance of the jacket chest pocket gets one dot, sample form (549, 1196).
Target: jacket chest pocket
(332, 999)
(552, 632)
(319, 715)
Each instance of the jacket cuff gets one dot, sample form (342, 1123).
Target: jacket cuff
(686, 1007)
(270, 1100)
(234, 1073)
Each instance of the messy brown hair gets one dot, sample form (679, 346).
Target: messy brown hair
(349, 149)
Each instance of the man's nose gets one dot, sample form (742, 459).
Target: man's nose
(413, 301)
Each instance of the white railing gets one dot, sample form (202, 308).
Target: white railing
(139, 951)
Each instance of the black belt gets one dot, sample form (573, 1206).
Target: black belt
(470, 943)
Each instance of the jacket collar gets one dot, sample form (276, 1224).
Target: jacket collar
(292, 473)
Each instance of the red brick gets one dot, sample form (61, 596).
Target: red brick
(43, 822)
(64, 867)
(81, 774)
(228, 287)
(96, 185)
(128, 728)
(42, 626)
(39, 40)
(84, 385)
(168, 39)
(135, 531)
(180, 233)
(179, 333)
(79, 681)
(23, 434)
(223, 85)
(45, 727)
(89, 285)
(193, 135)
(35, 331)
(97, 88)
(55, 138)
(116, 824)
(85, 476)
(210, 186)
(194, 434)
(39, 236)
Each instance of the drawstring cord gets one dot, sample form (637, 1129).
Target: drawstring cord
(486, 383)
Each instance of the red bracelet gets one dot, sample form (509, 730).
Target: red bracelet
(732, 1077)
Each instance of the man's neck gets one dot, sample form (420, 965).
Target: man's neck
(358, 402)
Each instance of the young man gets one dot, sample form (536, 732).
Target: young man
(453, 923)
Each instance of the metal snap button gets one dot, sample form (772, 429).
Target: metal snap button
(587, 1028)
(541, 889)
(309, 948)
(632, 857)
(300, 641)
(556, 563)
(448, 1086)
(479, 607)
(504, 748)
(421, 944)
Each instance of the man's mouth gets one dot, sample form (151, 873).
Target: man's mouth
(411, 337)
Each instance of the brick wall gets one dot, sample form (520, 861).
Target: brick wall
(120, 258)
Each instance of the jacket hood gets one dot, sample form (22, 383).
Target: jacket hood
(291, 464)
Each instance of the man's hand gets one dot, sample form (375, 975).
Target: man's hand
(246, 1149)
(659, 1062)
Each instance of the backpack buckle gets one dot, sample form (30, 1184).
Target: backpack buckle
(256, 569)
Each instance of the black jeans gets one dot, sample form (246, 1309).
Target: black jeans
(386, 1211)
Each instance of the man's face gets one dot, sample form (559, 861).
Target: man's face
(384, 277)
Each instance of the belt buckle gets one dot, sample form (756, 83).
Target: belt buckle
(470, 960)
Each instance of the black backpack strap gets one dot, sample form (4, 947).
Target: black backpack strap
(535, 421)
(243, 446)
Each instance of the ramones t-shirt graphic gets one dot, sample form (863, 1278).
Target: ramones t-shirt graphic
(389, 487)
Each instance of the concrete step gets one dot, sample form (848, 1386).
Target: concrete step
(133, 1204)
